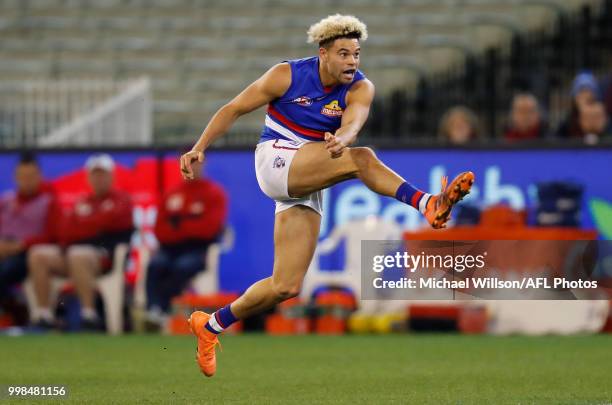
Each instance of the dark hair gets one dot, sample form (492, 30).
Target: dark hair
(28, 158)
(329, 41)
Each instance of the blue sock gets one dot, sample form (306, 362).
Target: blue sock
(221, 320)
(414, 197)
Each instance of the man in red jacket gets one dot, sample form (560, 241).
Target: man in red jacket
(87, 236)
(26, 219)
(190, 217)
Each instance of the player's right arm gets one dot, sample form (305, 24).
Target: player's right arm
(271, 85)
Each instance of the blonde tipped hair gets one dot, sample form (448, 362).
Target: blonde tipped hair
(337, 26)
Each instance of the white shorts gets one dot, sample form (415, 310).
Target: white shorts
(272, 161)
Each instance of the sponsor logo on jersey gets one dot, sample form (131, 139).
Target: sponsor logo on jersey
(303, 101)
(332, 109)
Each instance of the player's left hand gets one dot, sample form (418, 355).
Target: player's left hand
(334, 145)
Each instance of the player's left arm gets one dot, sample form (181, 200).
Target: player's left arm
(358, 101)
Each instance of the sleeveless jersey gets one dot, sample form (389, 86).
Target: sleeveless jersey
(307, 109)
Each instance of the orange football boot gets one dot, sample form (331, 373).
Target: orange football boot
(439, 206)
(205, 354)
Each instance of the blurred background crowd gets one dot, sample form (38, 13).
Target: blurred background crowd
(445, 71)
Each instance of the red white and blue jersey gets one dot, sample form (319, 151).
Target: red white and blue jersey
(307, 109)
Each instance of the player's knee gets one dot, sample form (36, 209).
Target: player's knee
(363, 153)
(283, 295)
(362, 156)
(284, 291)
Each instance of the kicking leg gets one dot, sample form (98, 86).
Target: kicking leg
(357, 162)
(313, 169)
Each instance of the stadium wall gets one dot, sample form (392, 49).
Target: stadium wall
(506, 176)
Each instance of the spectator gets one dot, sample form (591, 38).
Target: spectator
(89, 233)
(26, 218)
(526, 120)
(190, 218)
(594, 122)
(585, 91)
(458, 126)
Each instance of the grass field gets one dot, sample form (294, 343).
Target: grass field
(436, 369)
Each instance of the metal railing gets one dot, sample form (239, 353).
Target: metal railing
(75, 113)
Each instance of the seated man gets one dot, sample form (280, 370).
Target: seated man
(26, 218)
(190, 217)
(88, 234)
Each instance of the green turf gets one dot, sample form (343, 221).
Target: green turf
(315, 369)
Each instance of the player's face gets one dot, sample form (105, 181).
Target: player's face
(342, 59)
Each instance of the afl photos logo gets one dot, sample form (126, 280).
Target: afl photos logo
(303, 101)
(332, 109)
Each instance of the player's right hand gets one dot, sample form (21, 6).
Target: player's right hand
(187, 159)
(334, 145)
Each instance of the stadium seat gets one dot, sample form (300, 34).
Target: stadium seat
(110, 286)
(547, 317)
(205, 282)
(128, 38)
(353, 233)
